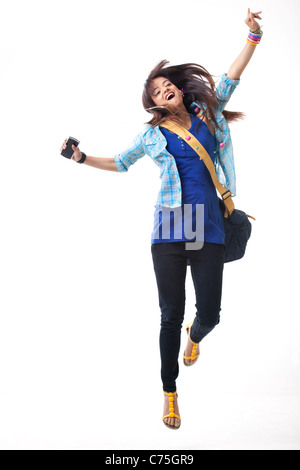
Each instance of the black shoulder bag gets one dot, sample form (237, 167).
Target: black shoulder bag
(237, 225)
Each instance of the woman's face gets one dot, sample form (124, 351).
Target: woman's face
(164, 93)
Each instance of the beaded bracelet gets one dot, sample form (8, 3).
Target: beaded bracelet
(254, 37)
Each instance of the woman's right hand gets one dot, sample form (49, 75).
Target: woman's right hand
(76, 155)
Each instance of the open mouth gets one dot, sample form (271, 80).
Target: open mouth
(170, 95)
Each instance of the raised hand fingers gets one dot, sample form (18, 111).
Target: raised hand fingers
(256, 15)
(251, 19)
(253, 15)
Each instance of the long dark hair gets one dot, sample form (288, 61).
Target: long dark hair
(197, 85)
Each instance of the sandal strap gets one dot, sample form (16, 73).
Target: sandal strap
(172, 415)
(171, 406)
(191, 357)
(193, 353)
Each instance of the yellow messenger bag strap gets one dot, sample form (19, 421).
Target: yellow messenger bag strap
(204, 156)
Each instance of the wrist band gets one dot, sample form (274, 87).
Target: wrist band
(257, 30)
(83, 157)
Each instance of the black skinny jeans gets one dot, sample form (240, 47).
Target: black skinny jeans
(170, 266)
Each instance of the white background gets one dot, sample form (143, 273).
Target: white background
(79, 358)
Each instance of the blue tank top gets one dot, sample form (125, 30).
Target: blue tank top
(200, 203)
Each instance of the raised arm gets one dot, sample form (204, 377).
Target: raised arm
(241, 62)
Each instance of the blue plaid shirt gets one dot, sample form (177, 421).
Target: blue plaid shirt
(152, 142)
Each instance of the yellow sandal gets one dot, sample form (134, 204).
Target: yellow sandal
(193, 355)
(171, 412)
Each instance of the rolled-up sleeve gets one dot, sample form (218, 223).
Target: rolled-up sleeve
(224, 90)
(134, 152)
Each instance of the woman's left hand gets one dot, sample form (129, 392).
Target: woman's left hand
(250, 20)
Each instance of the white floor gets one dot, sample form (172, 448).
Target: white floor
(223, 422)
(109, 405)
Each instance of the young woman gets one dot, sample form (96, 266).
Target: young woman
(186, 186)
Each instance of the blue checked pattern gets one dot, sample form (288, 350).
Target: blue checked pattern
(152, 142)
